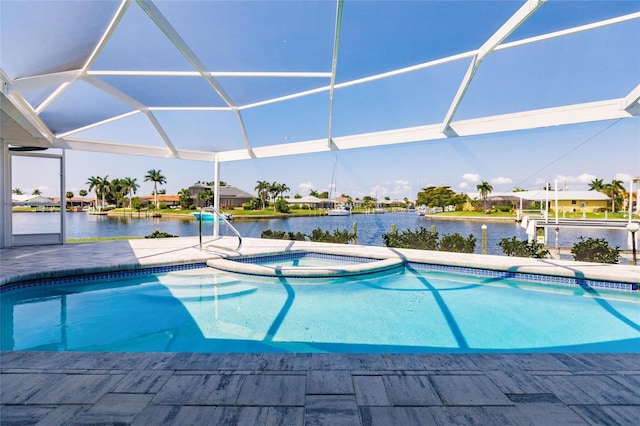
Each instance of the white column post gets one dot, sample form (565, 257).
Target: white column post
(63, 198)
(216, 198)
(556, 208)
(5, 195)
(637, 179)
(630, 199)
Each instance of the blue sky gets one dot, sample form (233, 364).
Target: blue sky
(376, 37)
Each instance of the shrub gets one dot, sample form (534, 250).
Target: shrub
(282, 235)
(162, 206)
(317, 235)
(595, 250)
(282, 206)
(421, 239)
(524, 248)
(342, 237)
(158, 234)
(457, 243)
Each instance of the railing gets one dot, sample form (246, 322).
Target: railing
(221, 217)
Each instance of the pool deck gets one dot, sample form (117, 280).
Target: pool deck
(52, 388)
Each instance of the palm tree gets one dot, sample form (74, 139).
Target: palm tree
(185, 198)
(613, 190)
(485, 189)
(262, 188)
(596, 185)
(82, 193)
(36, 192)
(103, 187)
(203, 197)
(276, 189)
(94, 182)
(68, 195)
(130, 186)
(100, 185)
(156, 177)
(17, 191)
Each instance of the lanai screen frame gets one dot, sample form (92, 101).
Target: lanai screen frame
(625, 106)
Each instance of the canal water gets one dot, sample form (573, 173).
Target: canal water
(370, 227)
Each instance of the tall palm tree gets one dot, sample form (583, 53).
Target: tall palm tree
(103, 188)
(68, 195)
(17, 191)
(485, 189)
(82, 193)
(204, 197)
(613, 190)
(185, 198)
(156, 177)
(130, 186)
(262, 188)
(36, 192)
(273, 189)
(596, 185)
(95, 183)
(276, 189)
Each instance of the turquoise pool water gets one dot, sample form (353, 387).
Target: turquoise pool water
(407, 310)
(306, 259)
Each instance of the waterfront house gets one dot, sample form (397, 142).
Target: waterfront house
(230, 196)
(167, 200)
(568, 201)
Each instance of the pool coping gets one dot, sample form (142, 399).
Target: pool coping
(29, 263)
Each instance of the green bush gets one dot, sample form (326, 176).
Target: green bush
(421, 239)
(282, 235)
(523, 248)
(282, 206)
(162, 206)
(317, 235)
(342, 237)
(457, 243)
(158, 234)
(595, 250)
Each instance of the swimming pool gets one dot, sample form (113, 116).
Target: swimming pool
(418, 308)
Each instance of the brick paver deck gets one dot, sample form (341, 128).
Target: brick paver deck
(55, 388)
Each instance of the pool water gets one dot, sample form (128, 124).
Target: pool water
(308, 261)
(407, 310)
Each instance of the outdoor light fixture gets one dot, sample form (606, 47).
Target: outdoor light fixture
(633, 227)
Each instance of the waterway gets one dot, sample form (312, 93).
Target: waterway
(370, 228)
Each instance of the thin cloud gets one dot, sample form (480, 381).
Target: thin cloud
(306, 187)
(501, 181)
(471, 177)
(583, 178)
(623, 177)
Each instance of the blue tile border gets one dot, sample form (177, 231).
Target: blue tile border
(548, 279)
(71, 279)
(257, 258)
